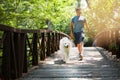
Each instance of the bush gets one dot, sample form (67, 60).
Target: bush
(113, 48)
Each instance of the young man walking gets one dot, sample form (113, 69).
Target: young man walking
(77, 30)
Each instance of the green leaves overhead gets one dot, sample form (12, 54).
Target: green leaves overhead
(33, 13)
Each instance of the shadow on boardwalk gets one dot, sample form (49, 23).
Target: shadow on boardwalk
(94, 66)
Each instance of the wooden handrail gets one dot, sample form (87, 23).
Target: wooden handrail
(109, 39)
(100, 33)
(24, 48)
(18, 30)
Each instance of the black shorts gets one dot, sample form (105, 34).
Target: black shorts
(79, 37)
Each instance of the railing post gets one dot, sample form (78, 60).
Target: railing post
(42, 51)
(18, 52)
(48, 44)
(22, 50)
(13, 58)
(117, 43)
(25, 64)
(35, 52)
(58, 40)
(6, 63)
(53, 43)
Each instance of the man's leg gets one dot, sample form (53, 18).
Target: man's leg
(80, 49)
(79, 40)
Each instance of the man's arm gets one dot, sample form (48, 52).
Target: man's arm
(87, 26)
(71, 29)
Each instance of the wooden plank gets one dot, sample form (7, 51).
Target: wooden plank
(19, 55)
(35, 52)
(42, 51)
(17, 30)
(48, 52)
(6, 65)
(117, 43)
(13, 58)
(94, 66)
(29, 44)
(22, 51)
(25, 64)
(53, 42)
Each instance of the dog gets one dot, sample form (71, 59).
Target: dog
(65, 46)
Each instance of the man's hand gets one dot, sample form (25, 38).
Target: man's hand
(71, 35)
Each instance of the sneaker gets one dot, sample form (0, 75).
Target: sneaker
(80, 57)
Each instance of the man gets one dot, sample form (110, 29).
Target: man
(77, 30)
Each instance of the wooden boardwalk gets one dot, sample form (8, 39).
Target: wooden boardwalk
(94, 66)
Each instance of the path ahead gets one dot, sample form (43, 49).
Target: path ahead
(95, 66)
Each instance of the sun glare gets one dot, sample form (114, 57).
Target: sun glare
(83, 4)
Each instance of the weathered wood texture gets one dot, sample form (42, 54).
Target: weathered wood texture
(94, 66)
(24, 48)
(110, 40)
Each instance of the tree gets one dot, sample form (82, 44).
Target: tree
(33, 13)
(102, 14)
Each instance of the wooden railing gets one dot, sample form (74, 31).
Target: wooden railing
(110, 40)
(21, 49)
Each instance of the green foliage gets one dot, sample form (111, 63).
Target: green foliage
(114, 47)
(88, 41)
(33, 13)
(103, 14)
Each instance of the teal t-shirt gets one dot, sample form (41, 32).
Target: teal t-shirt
(78, 23)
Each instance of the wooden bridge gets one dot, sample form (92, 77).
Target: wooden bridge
(24, 55)
(95, 66)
